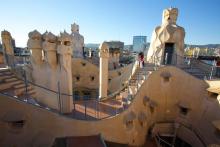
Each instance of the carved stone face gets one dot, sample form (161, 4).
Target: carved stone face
(36, 56)
(51, 59)
(104, 50)
(170, 15)
(75, 28)
(7, 45)
(50, 53)
(7, 42)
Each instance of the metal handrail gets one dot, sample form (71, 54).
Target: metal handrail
(208, 73)
(160, 139)
(187, 127)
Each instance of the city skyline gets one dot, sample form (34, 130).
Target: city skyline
(109, 20)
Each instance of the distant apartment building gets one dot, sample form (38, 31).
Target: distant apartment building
(139, 43)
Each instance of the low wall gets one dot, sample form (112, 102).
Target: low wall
(88, 75)
(119, 77)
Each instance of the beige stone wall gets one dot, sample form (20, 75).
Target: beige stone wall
(86, 70)
(119, 77)
(43, 126)
(182, 88)
(131, 126)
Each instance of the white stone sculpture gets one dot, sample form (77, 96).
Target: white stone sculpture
(7, 43)
(8, 49)
(35, 45)
(51, 62)
(165, 37)
(103, 68)
(65, 74)
(49, 47)
(65, 50)
(77, 41)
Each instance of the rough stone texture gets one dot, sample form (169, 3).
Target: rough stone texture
(8, 48)
(49, 71)
(7, 43)
(168, 32)
(85, 70)
(103, 76)
(77, 41)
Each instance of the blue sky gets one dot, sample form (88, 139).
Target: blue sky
(101, 20)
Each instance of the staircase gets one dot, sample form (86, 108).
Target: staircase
(10, 84)
(134, 84)
(199, 69)
(139, 77)
(198, 72)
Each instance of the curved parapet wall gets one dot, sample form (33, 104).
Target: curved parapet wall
(169, 94)
(174, 95)
(119, 78)
(86, 75)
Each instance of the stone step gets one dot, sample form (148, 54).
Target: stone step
(138, 78)
(6, 73)
(10, 79)
(22, 90)
(19, 85)
(132, 90)
(5, 77)
(136, 75)
(4, 70)
(4, 86)
(133, 84)
(2, 77)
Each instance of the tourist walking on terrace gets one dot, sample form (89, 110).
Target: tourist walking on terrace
(141, 59)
